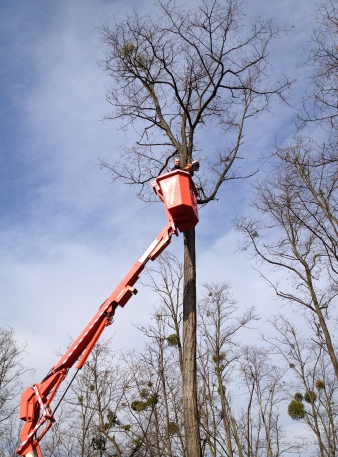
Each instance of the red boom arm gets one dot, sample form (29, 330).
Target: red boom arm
(178, 194)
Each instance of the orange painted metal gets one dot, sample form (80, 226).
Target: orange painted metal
(179, 195)
(35, 401)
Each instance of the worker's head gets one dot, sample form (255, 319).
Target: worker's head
(177, 162)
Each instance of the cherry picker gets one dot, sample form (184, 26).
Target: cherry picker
(179, 195)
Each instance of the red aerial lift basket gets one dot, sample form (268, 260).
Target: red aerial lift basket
(179, 195)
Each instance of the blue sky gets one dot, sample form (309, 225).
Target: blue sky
(67, 234)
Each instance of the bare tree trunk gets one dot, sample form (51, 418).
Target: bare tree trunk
(322, 322)
(176, 73)
(191, 421)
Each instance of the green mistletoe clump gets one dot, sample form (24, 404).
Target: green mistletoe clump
(296, 410)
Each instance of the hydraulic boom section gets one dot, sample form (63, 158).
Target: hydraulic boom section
(178, 194)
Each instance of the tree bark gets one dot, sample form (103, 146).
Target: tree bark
(191, 420)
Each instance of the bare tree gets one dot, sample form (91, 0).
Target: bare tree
(63, 439)
(312, 385)
(321, 103)
(296, 231)
(12, 371)
(100, 405)
(160, 360)
(241, 386)
(263, 432)
(179, 74)
(125, 406)
(166, 281)
(9, 437)
(219, 354)
(297, 203)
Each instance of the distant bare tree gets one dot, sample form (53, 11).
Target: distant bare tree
(263, 432)
(166, 280)
(241, 386)
(11, 372)
(321, 103)
(313, 386)
(99, 405)
(12, 369)
(9, 437)
(219, 353)
(295, 229)
(159, 363)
